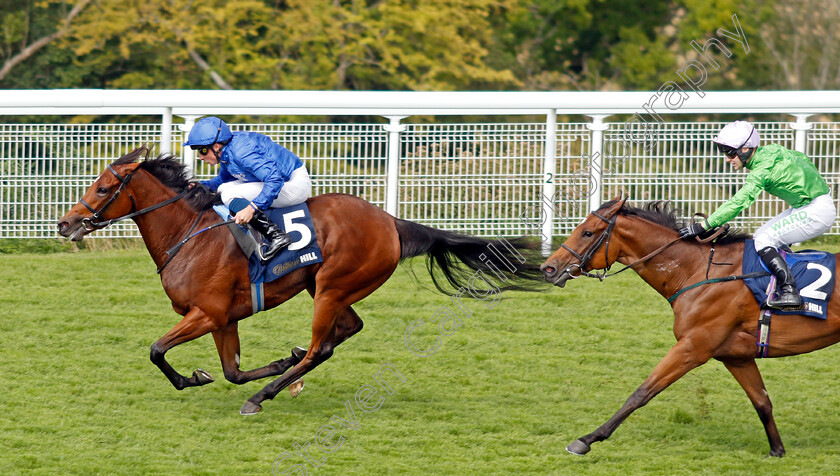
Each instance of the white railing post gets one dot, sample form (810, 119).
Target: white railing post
(187, 154)
(394, 128)
(596, 160)
(165, 146)
(549, 179)
(801, 126)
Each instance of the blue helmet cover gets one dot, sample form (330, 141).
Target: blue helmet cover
(208, 131)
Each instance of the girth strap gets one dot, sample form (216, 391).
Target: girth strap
(757, 274)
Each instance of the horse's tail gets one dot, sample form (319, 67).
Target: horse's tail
(461, 259)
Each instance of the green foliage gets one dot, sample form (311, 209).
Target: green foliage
(416, 44)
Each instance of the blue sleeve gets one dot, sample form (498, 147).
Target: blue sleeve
(265, 171)
(213, 183)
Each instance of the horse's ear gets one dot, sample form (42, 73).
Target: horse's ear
(133, 156)
(616, 206)
(619, 198)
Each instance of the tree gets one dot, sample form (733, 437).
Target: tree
(30, 26)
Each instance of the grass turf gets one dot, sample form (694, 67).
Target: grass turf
(504, 393)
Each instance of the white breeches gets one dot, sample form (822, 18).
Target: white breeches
(296, 190)
(796, 225)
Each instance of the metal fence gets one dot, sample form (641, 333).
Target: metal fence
(483, 179)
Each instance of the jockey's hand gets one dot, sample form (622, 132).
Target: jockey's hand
(691, 231)
(244, 216)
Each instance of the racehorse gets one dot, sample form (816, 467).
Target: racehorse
(208, 282)
(715, 320)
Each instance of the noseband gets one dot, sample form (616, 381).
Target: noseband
(93, 222)
(587, 255)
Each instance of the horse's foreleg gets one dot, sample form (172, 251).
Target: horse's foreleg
(331, 326)
(227, 343)
(677, 362)
(747, 374)
(194, 324)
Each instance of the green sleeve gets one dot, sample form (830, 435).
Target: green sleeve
(742, 199)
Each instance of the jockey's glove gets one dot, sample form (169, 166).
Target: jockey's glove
(691, 231)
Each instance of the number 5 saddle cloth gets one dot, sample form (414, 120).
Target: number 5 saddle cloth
(303, 251)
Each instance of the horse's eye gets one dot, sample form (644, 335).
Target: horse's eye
(587, 233)
(102, 190)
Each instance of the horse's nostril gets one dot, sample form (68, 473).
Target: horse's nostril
(549, 270)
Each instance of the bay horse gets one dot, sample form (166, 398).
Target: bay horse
(718, 320)
(208, 280)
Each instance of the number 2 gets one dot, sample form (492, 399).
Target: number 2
(813, 290)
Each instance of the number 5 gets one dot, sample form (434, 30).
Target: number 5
(290, 226)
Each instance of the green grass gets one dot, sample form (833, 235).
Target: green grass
(504, 394)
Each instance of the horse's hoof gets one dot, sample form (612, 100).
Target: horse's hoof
(295, 388)
(250, 409)
(202, 377)
(578, 447)
(298, 353)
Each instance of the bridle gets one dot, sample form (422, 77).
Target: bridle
(605, 240)
(590, 252)
(94, 221)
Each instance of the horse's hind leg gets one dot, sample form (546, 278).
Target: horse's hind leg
(747, 374)
(227, 343)
(331, 326)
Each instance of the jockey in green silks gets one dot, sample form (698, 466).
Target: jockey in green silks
(786, 174)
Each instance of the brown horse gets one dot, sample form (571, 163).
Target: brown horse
(208, 281)
(718, 320)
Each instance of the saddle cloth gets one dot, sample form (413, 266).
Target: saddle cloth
(814, 274)
(303, 251)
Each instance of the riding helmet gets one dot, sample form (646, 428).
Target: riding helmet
(208, 131)
(738, 134)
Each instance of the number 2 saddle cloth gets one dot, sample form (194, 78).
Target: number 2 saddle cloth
(814, 274)
(303, 251)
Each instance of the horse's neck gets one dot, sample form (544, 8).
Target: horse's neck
(670, 270)
(164, 227)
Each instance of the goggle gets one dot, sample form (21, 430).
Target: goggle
(732, 151)
(726, 150)
(202, 149)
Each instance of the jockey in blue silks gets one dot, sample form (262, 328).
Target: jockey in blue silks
(256, 173)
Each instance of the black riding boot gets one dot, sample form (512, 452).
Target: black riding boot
(277, 237)
(788, 295)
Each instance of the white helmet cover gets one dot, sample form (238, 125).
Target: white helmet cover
(738, 134)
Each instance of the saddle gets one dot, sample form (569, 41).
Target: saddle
(303, 251)
(814, 272)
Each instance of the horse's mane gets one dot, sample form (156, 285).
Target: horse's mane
(666, 214)
(171, 172)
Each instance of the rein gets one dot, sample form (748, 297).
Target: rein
(605, 239)
(190, 235)
(91, 225)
